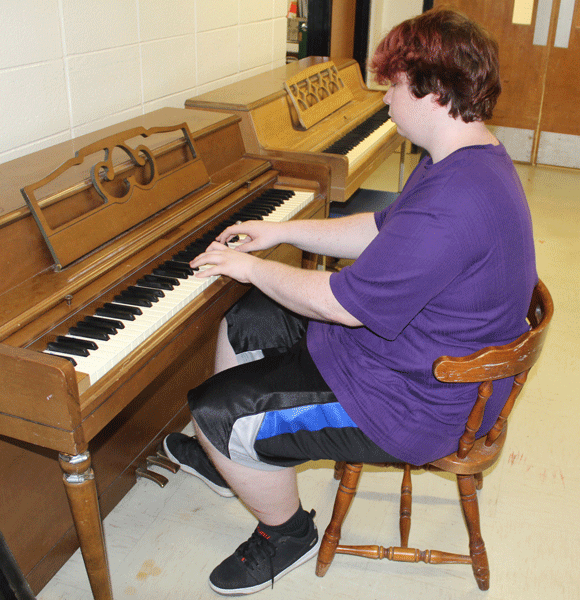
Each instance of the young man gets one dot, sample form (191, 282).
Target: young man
(447, 269)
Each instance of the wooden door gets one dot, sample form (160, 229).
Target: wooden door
(537, 115)
(559, 127)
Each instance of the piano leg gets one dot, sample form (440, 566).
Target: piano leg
(79, 483)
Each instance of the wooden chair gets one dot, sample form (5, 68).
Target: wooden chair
(468, 463)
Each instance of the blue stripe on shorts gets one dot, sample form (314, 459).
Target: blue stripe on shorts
(312, 417)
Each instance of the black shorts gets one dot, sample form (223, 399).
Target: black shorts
(276, 411)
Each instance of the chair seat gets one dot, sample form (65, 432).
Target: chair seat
(480, 457)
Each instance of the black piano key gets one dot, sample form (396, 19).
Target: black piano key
(131, 310)
(113, 323)
(204, 241)
(185, 257)
(71, 359)
(270, 202)
(92, 333)
(249, 216)
(280, 193)
(109, 317)
(94, 326)
(163, 283)
(65, 349)
(125, 298)
(76, 343)
(165, 272)
(154, 290)
(144, 292)
(179, 266)
(354, 137)
(195, 247)
(260, 209)
(273, 196)
(113, 313)
(225, 224)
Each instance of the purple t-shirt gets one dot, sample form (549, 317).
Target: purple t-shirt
(451, 271)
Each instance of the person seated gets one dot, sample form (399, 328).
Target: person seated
(315, 365)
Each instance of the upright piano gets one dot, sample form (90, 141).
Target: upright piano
(314, 110)
(103, 327)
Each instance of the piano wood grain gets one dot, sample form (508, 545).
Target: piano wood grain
(270, 124)
(45, 408)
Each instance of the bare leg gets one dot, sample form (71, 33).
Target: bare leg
(271, 496)
(225, 357)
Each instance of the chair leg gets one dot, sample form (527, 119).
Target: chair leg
(344, 496)
(479, 481)
(479, 563)
(405, 510)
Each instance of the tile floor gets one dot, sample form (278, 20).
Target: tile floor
(163, 543)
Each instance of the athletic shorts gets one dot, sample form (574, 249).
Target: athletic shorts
(274, 409)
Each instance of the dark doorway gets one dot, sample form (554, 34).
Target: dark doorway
(361, 33)
(319, 18)
(319, 29)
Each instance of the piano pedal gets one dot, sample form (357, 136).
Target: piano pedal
(167, 464)
(143, 472)
(162, 461)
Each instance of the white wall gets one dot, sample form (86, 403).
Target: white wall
(69, 67)
(385, 14)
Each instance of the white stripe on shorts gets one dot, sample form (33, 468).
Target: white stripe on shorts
(241, 443)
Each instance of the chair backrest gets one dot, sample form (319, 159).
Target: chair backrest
(498, 362)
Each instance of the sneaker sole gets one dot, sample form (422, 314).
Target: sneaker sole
(262, 586)
(218, 489)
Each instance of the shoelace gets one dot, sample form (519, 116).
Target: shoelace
(255, 549)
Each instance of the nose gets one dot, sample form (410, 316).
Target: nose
(387, 96)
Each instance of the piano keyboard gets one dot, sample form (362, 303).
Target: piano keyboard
(362, 138)
(100, 341)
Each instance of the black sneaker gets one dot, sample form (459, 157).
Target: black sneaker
(262, 560)
(187, 452)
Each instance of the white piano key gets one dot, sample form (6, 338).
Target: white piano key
(367, 144)
(111, 352)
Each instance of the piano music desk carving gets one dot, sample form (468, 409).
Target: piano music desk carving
(305, 111)
(103, 326)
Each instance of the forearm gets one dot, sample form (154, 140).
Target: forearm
(306, 292)
(344, 237)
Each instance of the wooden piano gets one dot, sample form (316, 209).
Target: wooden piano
(313, 110)
(102, 327)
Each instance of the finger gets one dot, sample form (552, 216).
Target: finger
(216, 246)
(207, 271)
(225, 236)
(229, 232)
(238, 240)
(201, 260)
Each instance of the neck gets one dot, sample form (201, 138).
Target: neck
(452, 134)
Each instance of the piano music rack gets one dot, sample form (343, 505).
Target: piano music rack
(116, 190)
(317, 92)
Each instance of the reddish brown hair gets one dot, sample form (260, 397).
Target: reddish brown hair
(444, 53)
